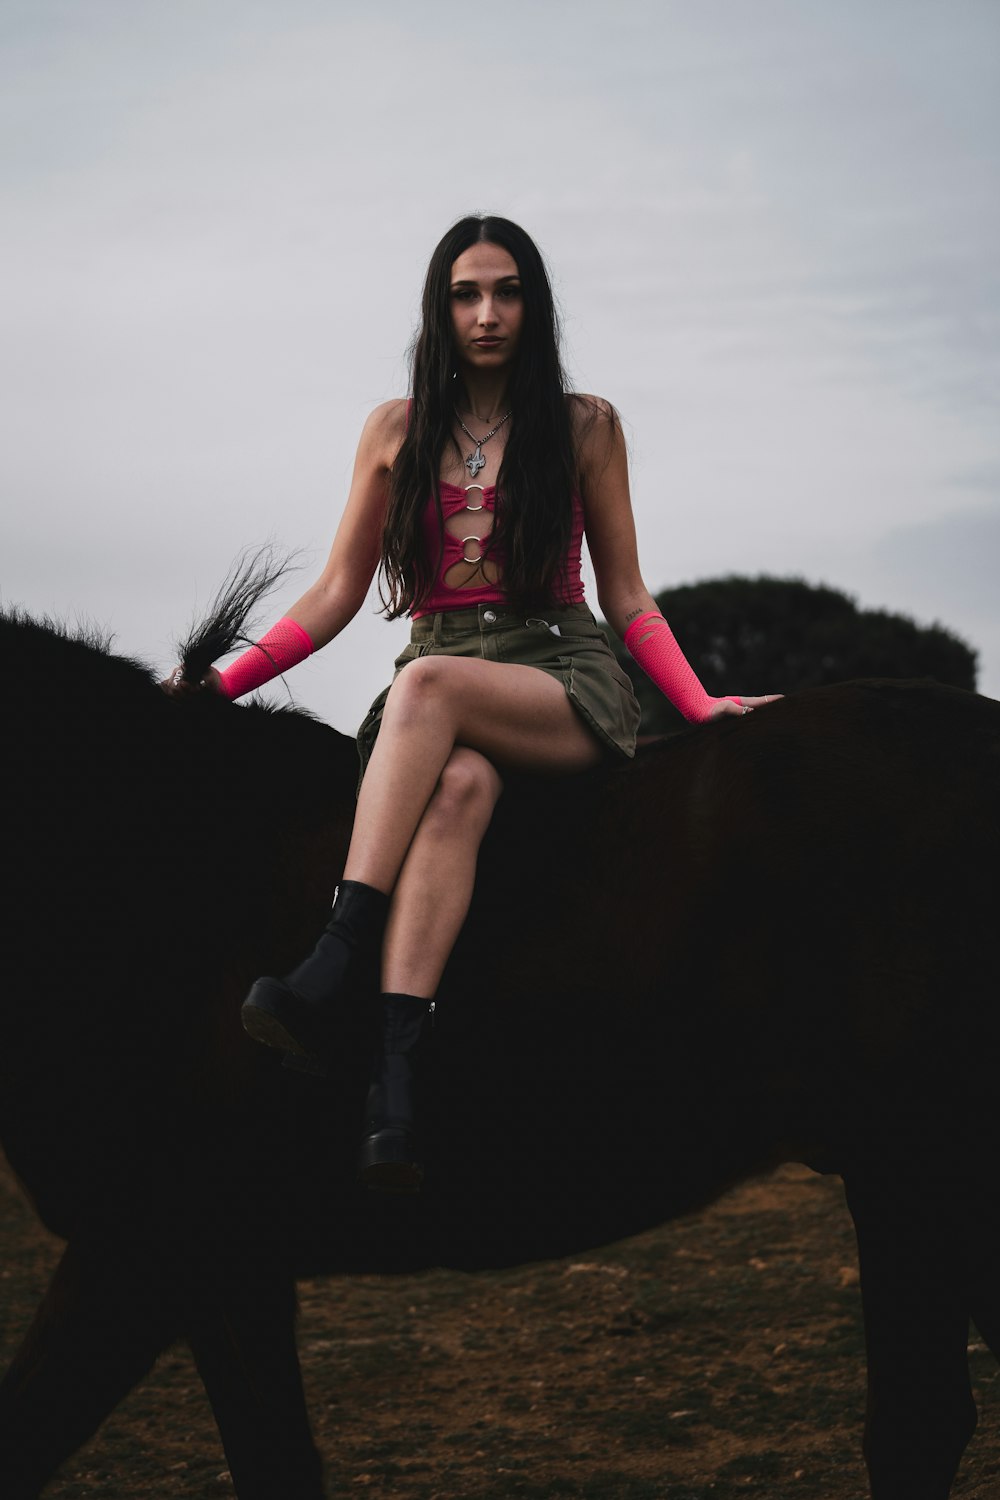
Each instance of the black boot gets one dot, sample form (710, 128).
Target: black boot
(388, 1158)
(303, 1014)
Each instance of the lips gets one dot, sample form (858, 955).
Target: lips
(487, 343)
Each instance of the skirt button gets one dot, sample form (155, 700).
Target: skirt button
(489, 616)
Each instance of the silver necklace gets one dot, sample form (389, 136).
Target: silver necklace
(475, 461)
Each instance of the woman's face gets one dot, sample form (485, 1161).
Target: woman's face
(487, 307)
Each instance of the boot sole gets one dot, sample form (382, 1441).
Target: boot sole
(393, 1177)
(386, 1165)
(270, 1014)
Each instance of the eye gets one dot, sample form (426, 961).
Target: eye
(510, 292)
(463, 293)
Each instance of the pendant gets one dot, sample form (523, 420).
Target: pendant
(475, 461)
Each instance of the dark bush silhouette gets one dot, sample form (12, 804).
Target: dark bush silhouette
(777, 635)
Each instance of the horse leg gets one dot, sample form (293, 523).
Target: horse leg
(984, 1310)
(243, 1343)
(96, 1333)
(920, 1411)
(984, 1278)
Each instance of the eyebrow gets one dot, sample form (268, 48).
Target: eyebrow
(500, 281)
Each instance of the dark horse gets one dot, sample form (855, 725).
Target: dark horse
(764, 940)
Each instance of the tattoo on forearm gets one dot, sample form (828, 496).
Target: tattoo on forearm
(633, 615)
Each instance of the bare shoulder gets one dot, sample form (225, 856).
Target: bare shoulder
(389, 415)
(597, 430)
(384, 430)
(587, 411)
(588, 408)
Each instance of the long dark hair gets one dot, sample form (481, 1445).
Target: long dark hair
(538, 472)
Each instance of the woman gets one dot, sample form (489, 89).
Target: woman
(473, 498)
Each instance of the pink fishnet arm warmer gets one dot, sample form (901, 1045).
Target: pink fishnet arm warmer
(651, 641)
(284, 646)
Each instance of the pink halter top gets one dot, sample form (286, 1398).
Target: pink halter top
(470, 572)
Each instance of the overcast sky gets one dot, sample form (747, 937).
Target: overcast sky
(772, 226)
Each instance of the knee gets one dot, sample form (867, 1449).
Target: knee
(422, 686)
(468, 789)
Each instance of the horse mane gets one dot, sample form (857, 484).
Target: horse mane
(88, 714)
(46, 643)
(48, 658)
(85, 632)
(251, 579)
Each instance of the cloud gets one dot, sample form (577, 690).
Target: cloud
(773, 230)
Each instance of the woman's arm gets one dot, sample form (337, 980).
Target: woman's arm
(329, 604)
(626, 602)
(342, 587)
(610, 527)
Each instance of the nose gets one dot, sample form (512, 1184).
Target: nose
(487, 313)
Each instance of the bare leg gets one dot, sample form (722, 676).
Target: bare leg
(421, 819)
(434, 888)
(515, 716)
(512, 716)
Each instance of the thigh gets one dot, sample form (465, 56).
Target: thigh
(517, 716)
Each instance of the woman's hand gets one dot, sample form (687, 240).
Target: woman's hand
(176, 685)
(745, 706)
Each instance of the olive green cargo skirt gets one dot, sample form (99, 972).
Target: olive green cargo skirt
(565, 642)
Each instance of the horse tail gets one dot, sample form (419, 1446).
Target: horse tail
(249, 581)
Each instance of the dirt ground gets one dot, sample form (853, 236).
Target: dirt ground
(717, 1357)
